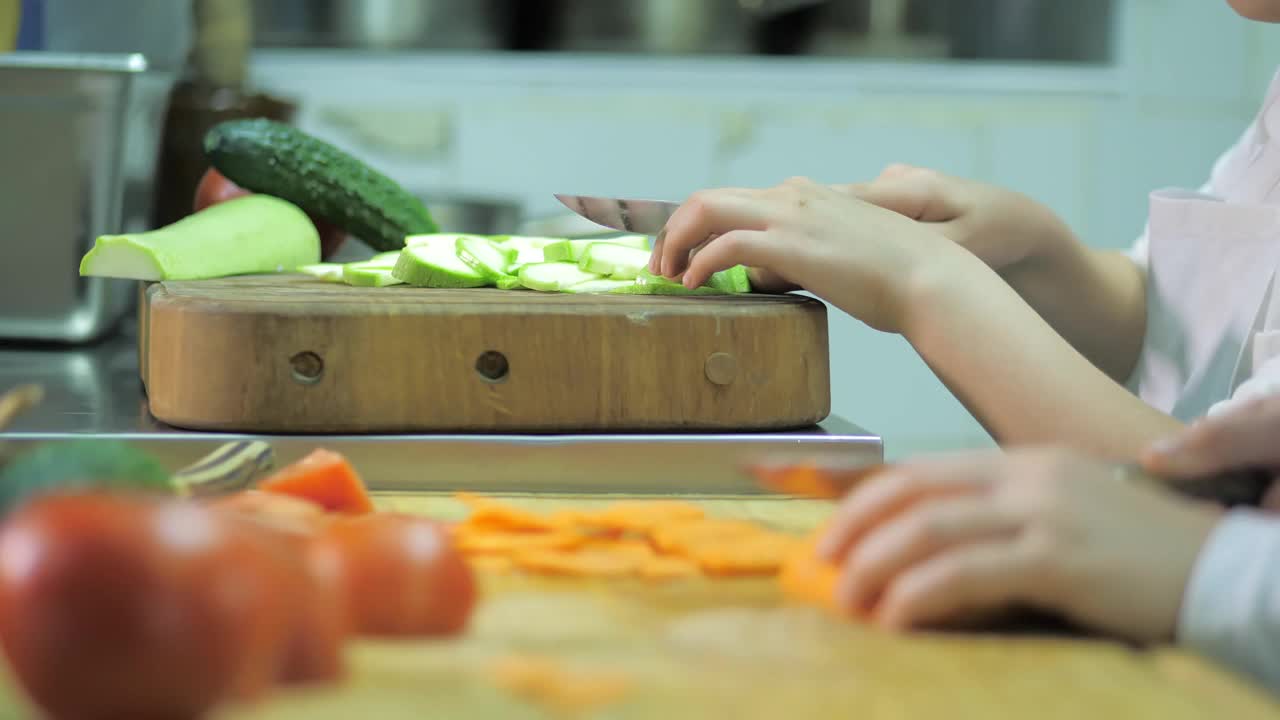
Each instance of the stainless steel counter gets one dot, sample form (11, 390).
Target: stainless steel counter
(94, 391)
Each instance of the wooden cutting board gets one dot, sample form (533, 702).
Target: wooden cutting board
(735, 649)
(294, 354)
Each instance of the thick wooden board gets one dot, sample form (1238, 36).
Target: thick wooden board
(735, 649)
(294, 354)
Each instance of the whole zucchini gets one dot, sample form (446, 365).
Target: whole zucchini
(268, 157)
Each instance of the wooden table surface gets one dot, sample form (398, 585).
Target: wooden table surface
(735, 649)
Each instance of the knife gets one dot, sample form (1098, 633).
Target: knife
(831, 480)
(644, 217)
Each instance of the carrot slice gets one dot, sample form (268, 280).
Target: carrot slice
(750, 555)
(807, 578)
(544, 681)
(668, 568)
(585, 563)
(325, 478)
(495, 513)
(637, 549)
(643, 515)
(510, 542)
(677, 537)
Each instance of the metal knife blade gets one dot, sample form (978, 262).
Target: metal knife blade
(831, 479)
(644, 217)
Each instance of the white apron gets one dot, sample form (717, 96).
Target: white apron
(1213, 318)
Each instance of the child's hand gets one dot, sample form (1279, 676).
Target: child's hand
(1000, 226)
(1242, 436)
(858, 256)
(940, 541)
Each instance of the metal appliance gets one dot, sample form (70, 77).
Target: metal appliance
(73, 165)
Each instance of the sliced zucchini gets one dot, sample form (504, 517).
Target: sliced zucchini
(733, 280)
(431, 239)
(510, 282)
(484, 256)
(436, 265)
(528, 249)
(603, 285)
(368, 274)
(386, 259)
(329, 272)
(617, 261)
(572, 250)
(247, 235)
(554, 276)
(646, 283)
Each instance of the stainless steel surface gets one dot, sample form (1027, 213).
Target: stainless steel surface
(646, 217)
(94, 391)
(78, 158)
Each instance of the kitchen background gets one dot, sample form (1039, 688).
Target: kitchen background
(1085, 105)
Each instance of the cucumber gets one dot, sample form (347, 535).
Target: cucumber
(733, 280)
(436, 265)
(602, 285)
(247, 235)
(617, 261)
(368, 274)
(554, 276)
(329, 272)
(484, 256)
(265, 156)
(646, 283)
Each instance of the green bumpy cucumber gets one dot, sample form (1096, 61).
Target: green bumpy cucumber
(268, 157)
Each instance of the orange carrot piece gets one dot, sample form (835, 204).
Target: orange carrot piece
(642, 515)
(325, 478)
(509, 542)
(584, 563)
(806, 578)
(489, 512)
(638, 549)
(758, 555)
(812, 479)
(668, 568)
(676, 537)
(544, 681)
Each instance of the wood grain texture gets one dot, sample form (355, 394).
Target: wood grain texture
(293, 354)
(735, 649)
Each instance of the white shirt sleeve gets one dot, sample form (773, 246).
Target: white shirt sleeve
(1231, 608)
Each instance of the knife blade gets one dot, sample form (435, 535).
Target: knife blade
(644, 217)
(833, 479)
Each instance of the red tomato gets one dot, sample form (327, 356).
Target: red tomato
(116, 607)
(215, 188)
(402, 574)
(286, 513)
